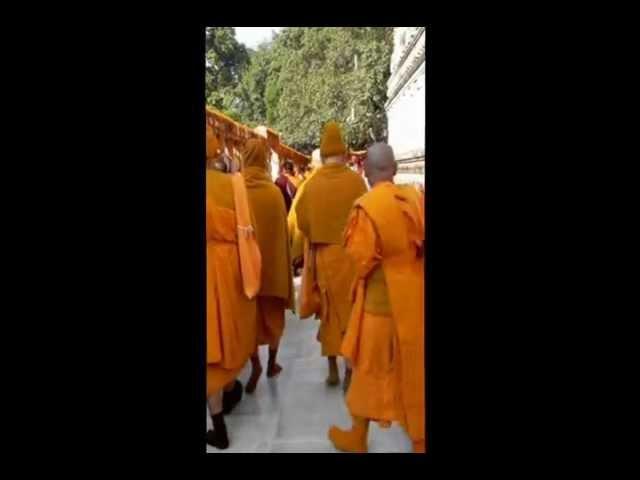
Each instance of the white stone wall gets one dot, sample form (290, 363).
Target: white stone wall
(406, 114)
(406, 118)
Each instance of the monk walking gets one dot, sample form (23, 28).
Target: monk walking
(231, 308)
(296, 238)
(385, 338)
(276, 290)
(322, 211)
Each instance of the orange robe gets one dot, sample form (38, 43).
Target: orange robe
(294, 179)
(385, 337)
(296, 238)
(276, 291)
(322, 211)
(231, 316)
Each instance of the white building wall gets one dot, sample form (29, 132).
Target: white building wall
(406, 113)
(406, 119)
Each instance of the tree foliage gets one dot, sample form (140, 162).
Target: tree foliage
(306, 77)
(226, 59)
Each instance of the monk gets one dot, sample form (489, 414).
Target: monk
(286, 184)
(385, 337)
(322, 211)
(232, 393)
(296, 238)
(276, 286)
(231, 313)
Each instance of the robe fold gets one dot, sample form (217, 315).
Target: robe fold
(296, 238)
(322, 209)
(231, 316)
(385, 336)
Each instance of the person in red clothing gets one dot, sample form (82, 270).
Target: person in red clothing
(286, 186)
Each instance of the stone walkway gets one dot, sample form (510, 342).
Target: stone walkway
(293, 412)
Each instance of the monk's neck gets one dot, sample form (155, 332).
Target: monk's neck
(382, 182)
(334, 165)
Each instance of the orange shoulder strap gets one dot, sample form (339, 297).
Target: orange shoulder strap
(249, 251)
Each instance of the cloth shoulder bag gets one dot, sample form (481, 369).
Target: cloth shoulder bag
(309, 290)
(248, 249)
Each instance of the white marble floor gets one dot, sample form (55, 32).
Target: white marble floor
(293, 412)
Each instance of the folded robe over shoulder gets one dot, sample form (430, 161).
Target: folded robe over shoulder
(231, 316)
(268, 207)
(385, 336)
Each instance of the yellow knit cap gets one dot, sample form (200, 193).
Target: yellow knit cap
(213, 146)
(331, 142)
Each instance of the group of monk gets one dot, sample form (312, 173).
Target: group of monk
(362, 257)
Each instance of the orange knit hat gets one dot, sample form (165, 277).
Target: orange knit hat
(213, 146)
(331, 142)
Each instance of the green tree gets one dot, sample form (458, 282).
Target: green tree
(252, 107)
(226, 60)
(305, 77)
(319, 74)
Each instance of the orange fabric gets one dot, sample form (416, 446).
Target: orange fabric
(270, 320)
(293, 179)
(331, 141)
(296, 238)
(218, 377)
(255, 154)
(393, 214)
(335, 273)
(374, 389)
(231, 324)
(249, 251)
(324, 205)
(270, 214)
(309, 290)
(420, 446)
(364, 248)
(354, 440)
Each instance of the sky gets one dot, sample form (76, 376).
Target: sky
(253, 36)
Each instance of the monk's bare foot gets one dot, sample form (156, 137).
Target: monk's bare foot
(273, 370)
(333, 379)
(253, 380)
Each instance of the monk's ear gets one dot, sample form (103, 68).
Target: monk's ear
(395, 168)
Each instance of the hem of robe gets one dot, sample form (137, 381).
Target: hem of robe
(270, 320)
(218, 377)
(375, 381)
(334, 286)
(231, 325)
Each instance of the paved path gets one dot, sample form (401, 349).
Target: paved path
(293, 412)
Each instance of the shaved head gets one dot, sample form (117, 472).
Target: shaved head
(380, 165)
